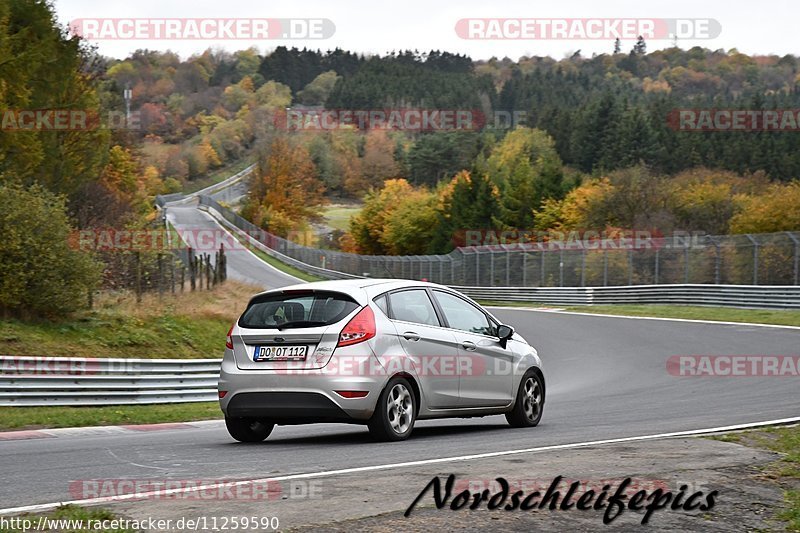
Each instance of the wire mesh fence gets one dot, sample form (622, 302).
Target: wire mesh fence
(748, 259)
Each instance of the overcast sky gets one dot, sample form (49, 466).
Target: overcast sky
(764, 27)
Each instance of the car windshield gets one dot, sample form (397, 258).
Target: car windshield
(297, 310)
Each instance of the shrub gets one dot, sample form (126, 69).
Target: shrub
(40, 274)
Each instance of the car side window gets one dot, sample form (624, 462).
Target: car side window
(464, 316)
(413, 306)
(382, 304)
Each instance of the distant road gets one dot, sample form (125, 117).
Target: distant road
(242, 265)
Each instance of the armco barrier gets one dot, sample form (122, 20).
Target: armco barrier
(43, 381)
(739, 296)
(180, 198)
(223, 218)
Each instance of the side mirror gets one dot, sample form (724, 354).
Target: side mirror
(504, 333)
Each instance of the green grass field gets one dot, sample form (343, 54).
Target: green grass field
(15, 418)
(337, 216)
(190, 325)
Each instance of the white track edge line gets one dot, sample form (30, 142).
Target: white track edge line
(692, 320)
(390, 466)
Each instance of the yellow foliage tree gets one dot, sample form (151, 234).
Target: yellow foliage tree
(778, 209)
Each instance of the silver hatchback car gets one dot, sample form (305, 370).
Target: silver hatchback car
(384, 353)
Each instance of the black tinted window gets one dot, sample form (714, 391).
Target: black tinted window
(307, 309)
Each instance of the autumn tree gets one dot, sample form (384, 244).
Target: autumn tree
(286, 193)
(778, 209)
(368, 227)
(526, 169)
(41, 67)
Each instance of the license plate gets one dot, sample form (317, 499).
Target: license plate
(280, 353)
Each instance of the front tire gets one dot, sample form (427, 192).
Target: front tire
(529, 405)
(395, 413)
(248, 429)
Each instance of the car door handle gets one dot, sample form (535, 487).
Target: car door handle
(411, 336)
(469, 346)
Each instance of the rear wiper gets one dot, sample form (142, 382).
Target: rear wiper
(300, 323)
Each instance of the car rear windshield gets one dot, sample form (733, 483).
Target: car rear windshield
(301, 309)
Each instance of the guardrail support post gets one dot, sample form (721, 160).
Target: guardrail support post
(796, 255)
(657, 266)
(717, 259)
(630, 267)
(541, 253)
(491, 268)
(686, 264)
(525, 267)
(755, 258)
(508, 268)
(583, 267)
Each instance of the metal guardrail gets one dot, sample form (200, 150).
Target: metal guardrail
(49, 381)
(45, 381)
(224, 216)
(737, 296)
(180, 198)
(764, 260)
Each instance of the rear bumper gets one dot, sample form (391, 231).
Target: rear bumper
(297, 398)
(287, 407)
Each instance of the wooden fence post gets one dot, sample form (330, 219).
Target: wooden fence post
(192, 270)
(160, 262)
(138, 274)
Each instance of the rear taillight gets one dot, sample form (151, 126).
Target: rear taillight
(229, 340)
(352, 393)
(360, 328)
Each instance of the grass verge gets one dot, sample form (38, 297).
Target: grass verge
(786, 471)
(13, 418)
(68, 519)
(277, 263)
(720, 314)
(189, 325)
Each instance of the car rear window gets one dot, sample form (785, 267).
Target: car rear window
(297, 309)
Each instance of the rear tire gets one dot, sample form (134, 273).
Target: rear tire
(529, 404)
(395, 412)
(248, 429)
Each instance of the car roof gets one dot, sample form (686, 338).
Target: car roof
(367, 285)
